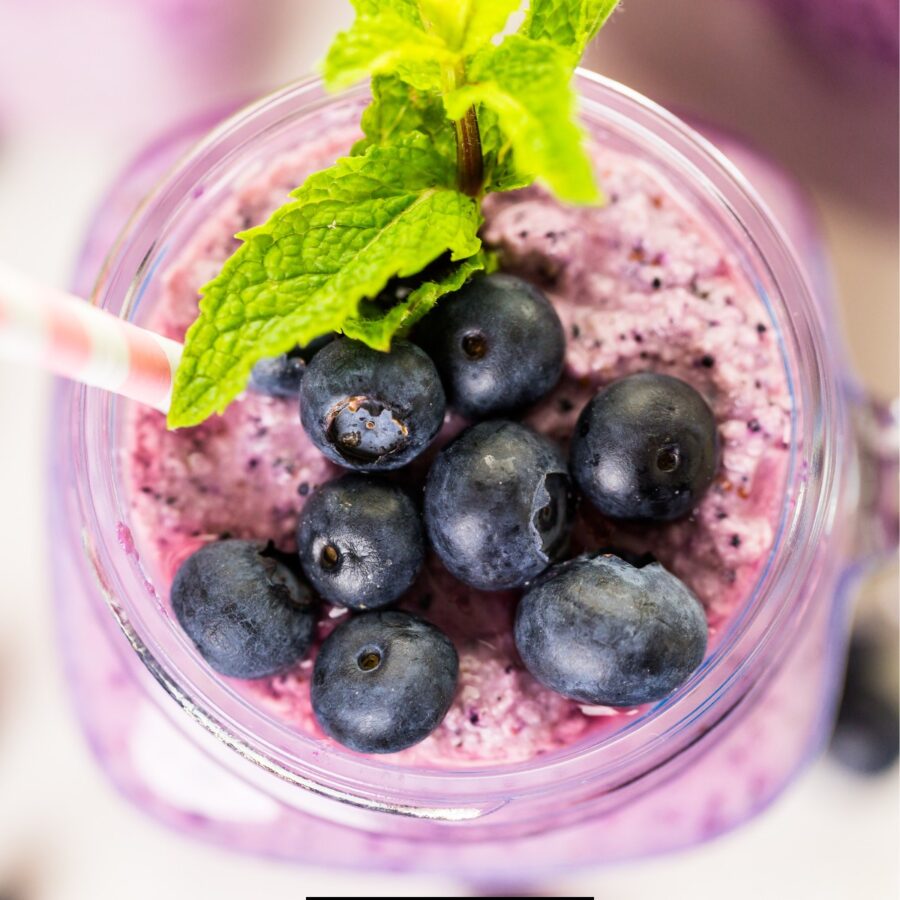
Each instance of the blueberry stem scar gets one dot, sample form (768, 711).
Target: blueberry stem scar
(667, 459)
(474, 346)
(369, 660)
(330, 556)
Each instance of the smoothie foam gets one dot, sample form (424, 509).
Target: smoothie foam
(640, 284)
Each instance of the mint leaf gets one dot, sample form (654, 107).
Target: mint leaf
(397, 109)
(484, 19)
(500, 169)
(408, 9)
(467, 25)
(570, 24)
(526, 83)
(424, 43)
(387, 43)
(407, 304)
(348, 231)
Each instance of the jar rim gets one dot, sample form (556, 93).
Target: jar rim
(768, 616)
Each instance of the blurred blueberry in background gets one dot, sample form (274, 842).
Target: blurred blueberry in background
(867, 732)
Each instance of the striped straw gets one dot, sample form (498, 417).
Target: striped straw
(63, 333)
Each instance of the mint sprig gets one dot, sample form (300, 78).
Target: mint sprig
(368, 246)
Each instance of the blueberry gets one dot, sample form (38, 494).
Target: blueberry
(246, 612)
(865, 737)
(867, 734)
(646, 447)
(383, 681)
(498, 505)
(498, 344)
(368, 410)
(361, 542)
(280, 376)
(600, 631)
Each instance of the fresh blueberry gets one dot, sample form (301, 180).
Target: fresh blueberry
(498, 344)
(498, 505)
(383, 681)
(368, 410)
(361, 541)
(600, 631)
(246, 612)
(280, 376)
(646, 447)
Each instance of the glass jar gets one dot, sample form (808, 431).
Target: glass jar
(185, 748)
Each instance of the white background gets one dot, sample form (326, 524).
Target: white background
(64, 834)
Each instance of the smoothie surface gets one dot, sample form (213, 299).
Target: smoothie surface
(641, 284)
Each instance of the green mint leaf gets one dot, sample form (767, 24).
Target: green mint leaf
(500, 169)
(484, 20)
(387, 43)
(397, 110)
(376, 324)
(407, 9)
(526, 83)
(348, 231)
(467, 25)
(570, 24)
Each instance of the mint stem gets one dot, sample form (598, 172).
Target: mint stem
(470, 159)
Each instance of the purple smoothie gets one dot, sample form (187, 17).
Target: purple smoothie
(640, 284)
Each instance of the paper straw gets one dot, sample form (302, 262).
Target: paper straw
(65, 334)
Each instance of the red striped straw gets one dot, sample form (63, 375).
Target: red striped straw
(65, 334)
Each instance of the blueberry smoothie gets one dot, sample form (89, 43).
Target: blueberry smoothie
(640, 285)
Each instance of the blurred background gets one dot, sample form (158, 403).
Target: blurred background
(85, 84)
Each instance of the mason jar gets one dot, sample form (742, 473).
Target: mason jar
(182, 745)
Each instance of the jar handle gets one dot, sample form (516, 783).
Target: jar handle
(877, 428)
